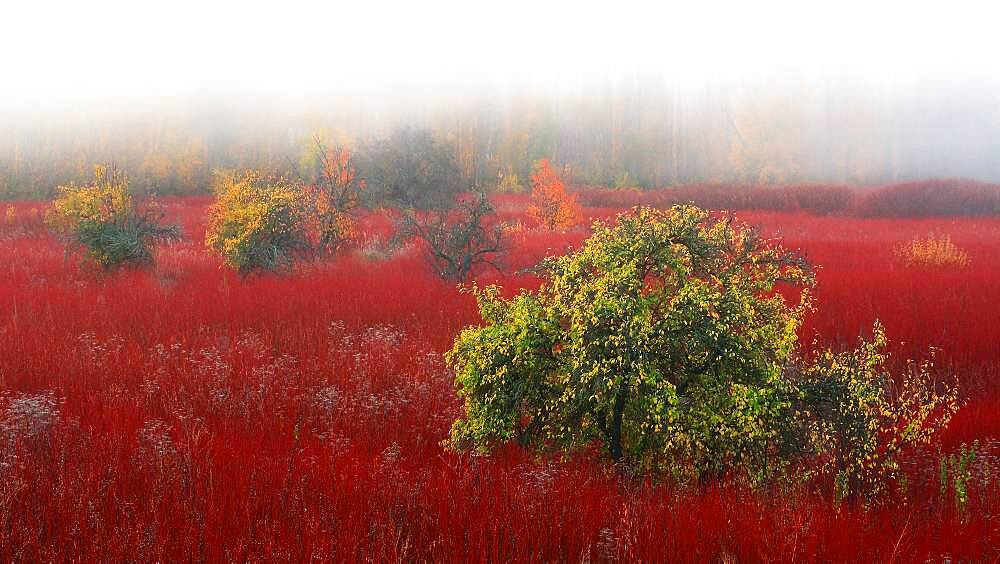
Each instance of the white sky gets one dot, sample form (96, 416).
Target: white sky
(103, 49)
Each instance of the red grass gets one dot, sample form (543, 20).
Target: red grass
(196, 415)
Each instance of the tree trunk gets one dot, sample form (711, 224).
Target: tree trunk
(615, 429)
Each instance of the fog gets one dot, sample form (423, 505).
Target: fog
(709, 91)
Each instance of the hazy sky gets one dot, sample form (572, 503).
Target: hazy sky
(107, 50)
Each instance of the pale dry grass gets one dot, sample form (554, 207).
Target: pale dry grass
(935, 251)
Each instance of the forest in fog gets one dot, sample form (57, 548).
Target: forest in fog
(636, 130)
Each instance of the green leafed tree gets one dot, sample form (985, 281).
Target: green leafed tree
(663, 339)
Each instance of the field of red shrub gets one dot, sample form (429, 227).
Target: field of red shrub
(926, 198)
(184, 413)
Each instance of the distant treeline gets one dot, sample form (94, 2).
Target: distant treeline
(629, 134)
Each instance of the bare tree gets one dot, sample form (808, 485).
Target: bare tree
(459, 239)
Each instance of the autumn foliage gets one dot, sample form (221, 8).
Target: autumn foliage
(257, 223)
(551, 205)
(264, 223)
(333, 196)
(210, 417)
(935, 251)
(103, 220)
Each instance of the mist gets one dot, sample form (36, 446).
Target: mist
(719, 92)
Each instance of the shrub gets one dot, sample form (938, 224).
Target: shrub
(662, 338)
(508, 182)
(258, 223)
(458, 240)
(333, 195)
(550, 204)
(932, 198)
(936, 251)
(861, 420)
(103, 219)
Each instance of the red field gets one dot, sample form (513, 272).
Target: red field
(186, 414)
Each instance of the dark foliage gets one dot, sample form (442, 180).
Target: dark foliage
(457, 240)
(411, 169)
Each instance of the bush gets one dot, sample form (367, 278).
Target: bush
(670, 339)
(333, 195)
(258, 223)
(103, 219)
(936, 251)
(662, 338)
(861, 420)
(550, 204)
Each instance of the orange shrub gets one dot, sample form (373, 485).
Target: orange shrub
(551, 205)
(333, 196)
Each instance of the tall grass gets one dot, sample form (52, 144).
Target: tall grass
(187, 414)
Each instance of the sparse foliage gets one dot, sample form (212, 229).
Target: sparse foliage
(460, 239)
(860, 420)
(334, 194)
(103, 219)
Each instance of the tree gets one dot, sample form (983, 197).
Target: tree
(102, 218)
(258, 223)
(663, 338)
(333, 195)
(550, 204)
(460, 239)
(411, 169)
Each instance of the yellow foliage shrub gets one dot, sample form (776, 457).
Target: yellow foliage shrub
(257, 223)
(936, 251)
(105, 200)
(102, 219)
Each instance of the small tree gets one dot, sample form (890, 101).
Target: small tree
(333, 196)
(550, 203)
(663, 338)
(103, 219)
(460, 239)
(258, 223)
